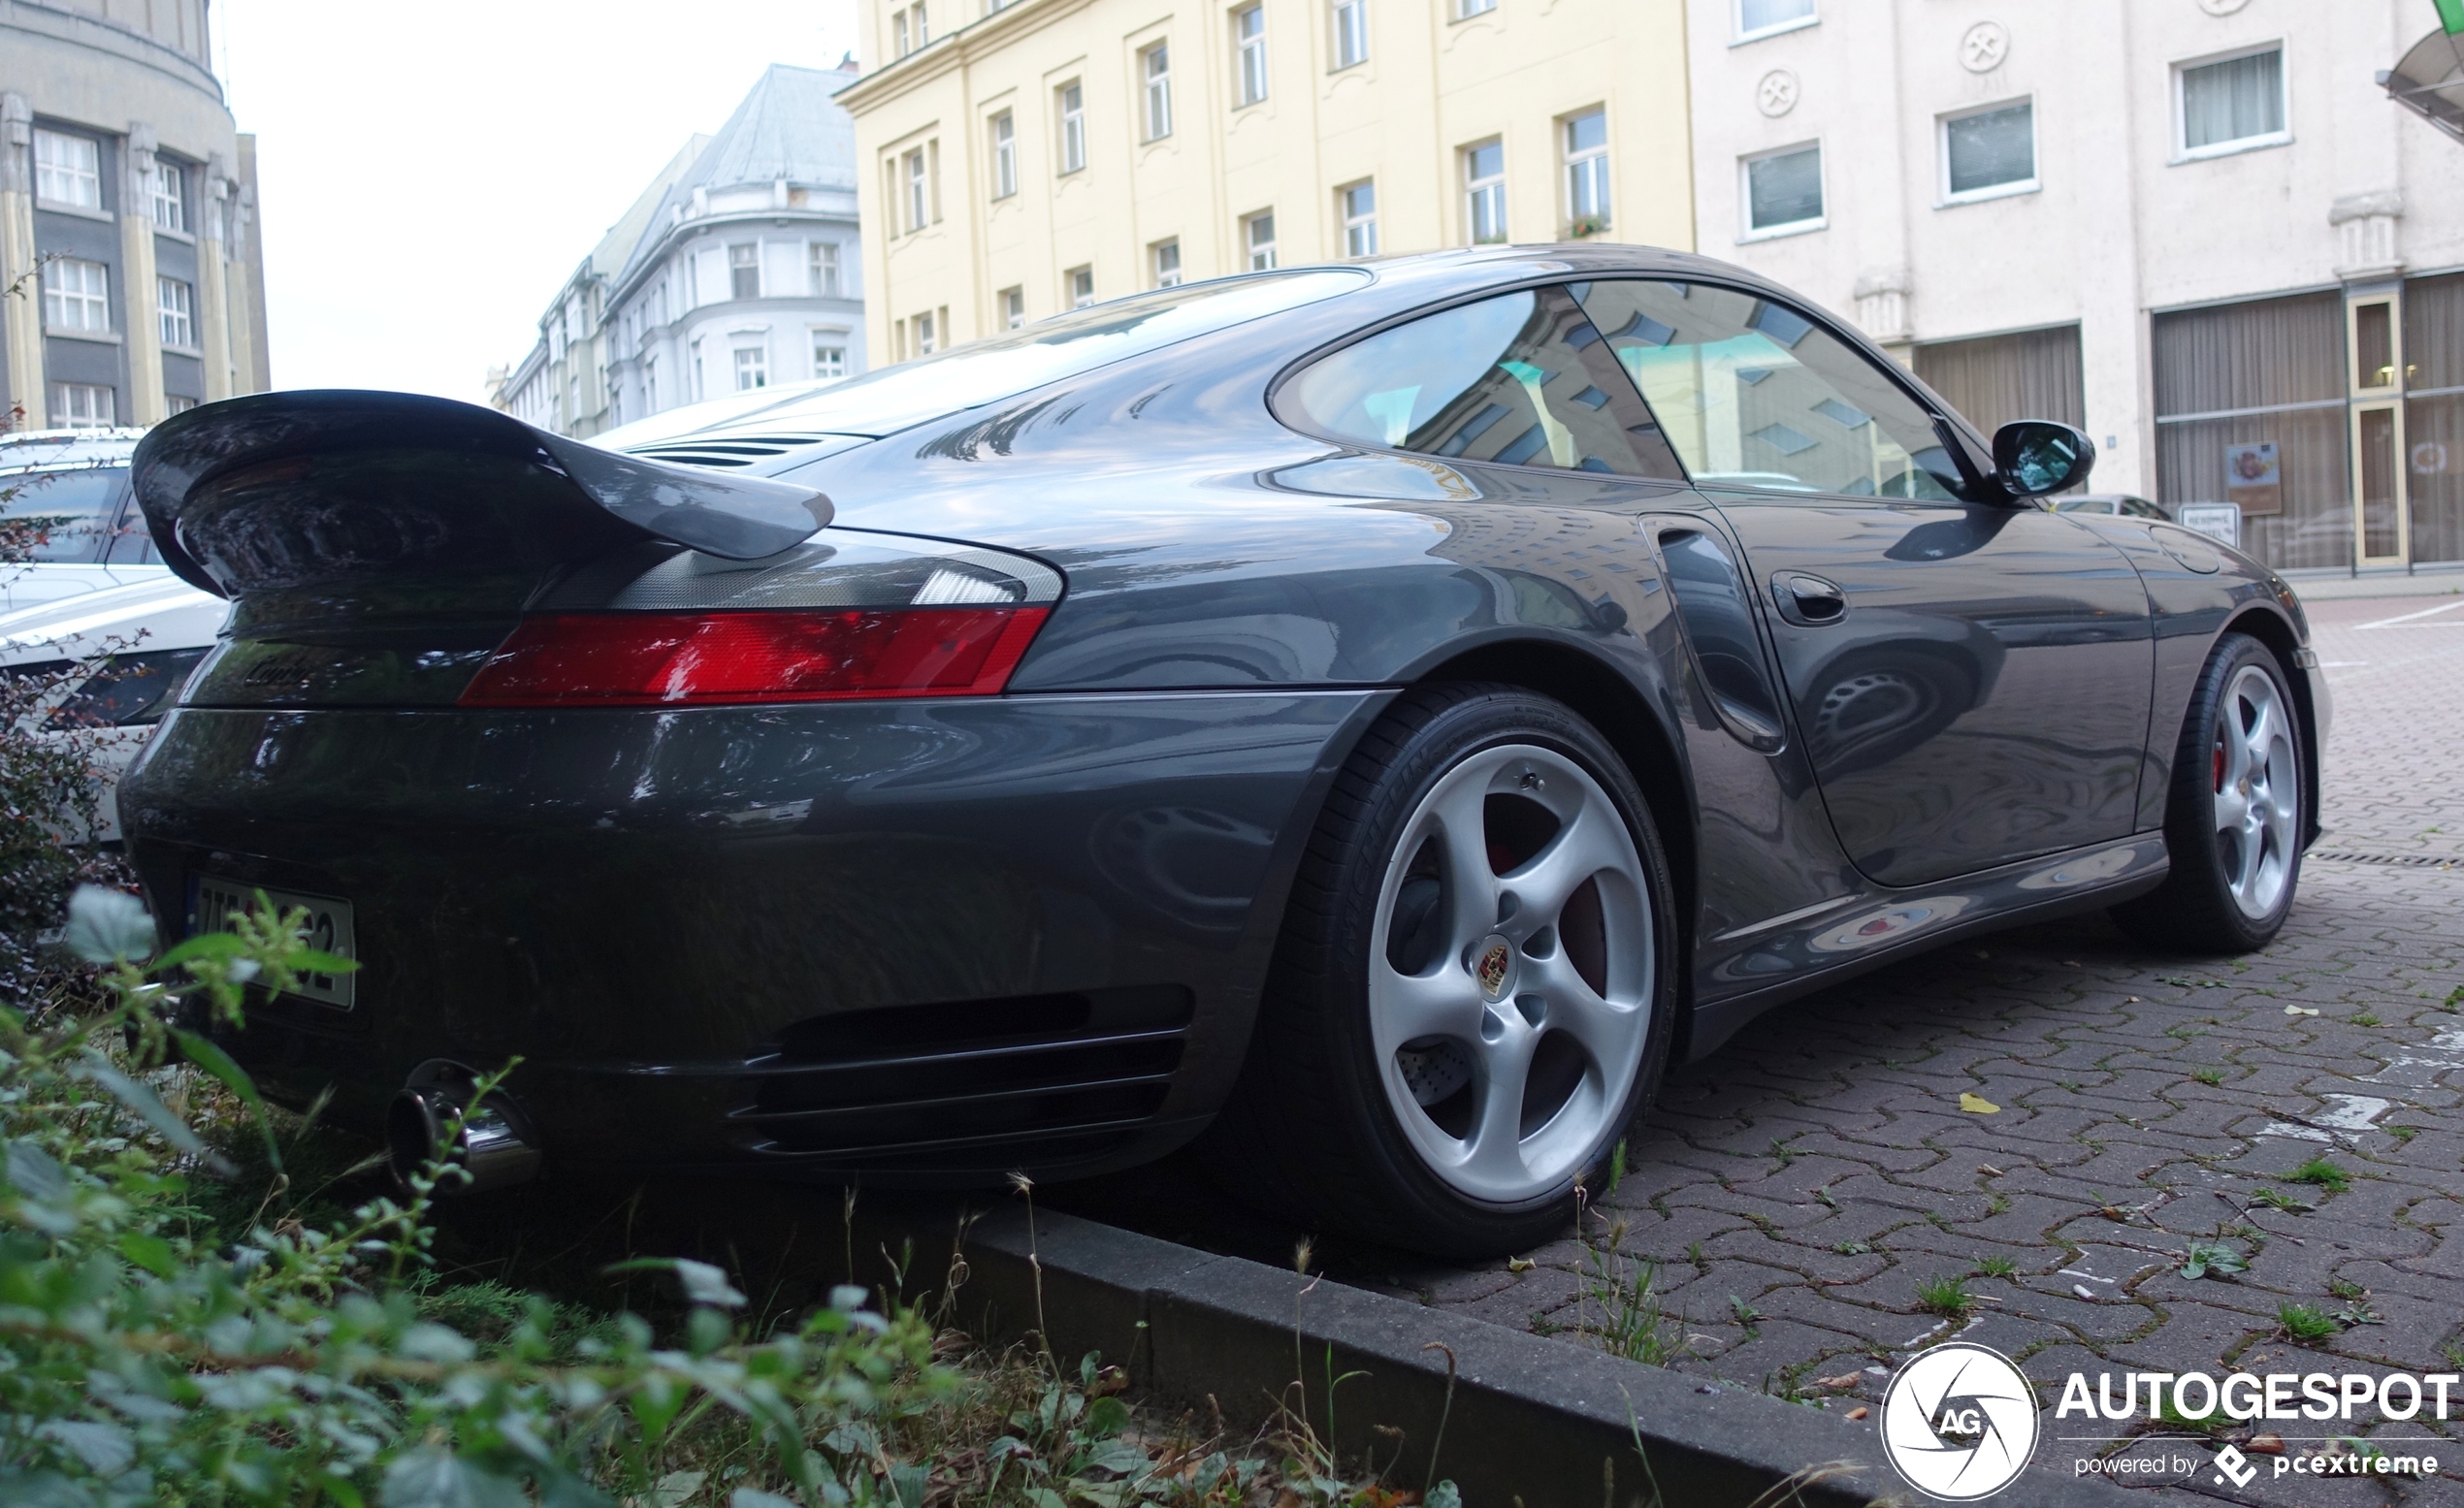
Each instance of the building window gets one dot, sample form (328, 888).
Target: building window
(1465, 10)
(1081, 284)
(2235, 104)
(1484, 193)
(68, 169)
(1157, 67)
(1258, 230)
(824, 270)
(752, 368)
(1586, 137)
(829, 354)
(173, 306)
(1248, 39)
(899, 39)
(82, 405)
(1763, 17)
(1164, 256)
(1005, 156)
(909, 29)
(650, 382)
(1988, 152)
(1073, 113)
(1352, 32)
(2252, 408)
(77, 294)
(1358, 203)
(744, 270)
(1013, 308)
(924, 332)
(1784, 191)
(700, 387)
(168, 196)
(177, 403)
(918, 192)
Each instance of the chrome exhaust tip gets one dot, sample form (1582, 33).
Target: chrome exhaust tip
(495, 1149)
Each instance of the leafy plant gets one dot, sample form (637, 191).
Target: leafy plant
(1945, 1293)
(1748, 1318)
(1632, 1322)
(2322, 1173)
(2301, 1321)
(1998, 1265)
(2205, 1257)
(2209, 1075)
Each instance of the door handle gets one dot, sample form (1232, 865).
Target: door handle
(1809, 600)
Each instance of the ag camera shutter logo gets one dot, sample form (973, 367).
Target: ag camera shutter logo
(1958, 1421)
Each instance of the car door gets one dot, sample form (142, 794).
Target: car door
(1971, 678)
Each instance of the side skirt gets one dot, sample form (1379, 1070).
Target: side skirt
(1864, 932)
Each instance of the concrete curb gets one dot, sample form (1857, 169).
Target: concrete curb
(1531, 1419)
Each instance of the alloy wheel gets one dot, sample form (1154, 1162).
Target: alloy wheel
(2256, 779)
(1511, 972)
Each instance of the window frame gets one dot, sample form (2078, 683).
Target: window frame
(1340, 33)
(913, 190)
(1251, 76)
(184, 315)
(1747, 231)
(1251, 246)
(738, 269)
(825, 273)
(1070, 118)
(75, 175)
(1574, 164)
(1740, 36)
(1155, 90)
(1483, 196)
(1072, 278)
(1003, 131)
(2282, 135)
(175, 176)
(58, 419)
(1469, 10)
(827, 341)
(87, 300)
(1946, 196)
(1013, 306)
(1349, 223)
(1158, 255)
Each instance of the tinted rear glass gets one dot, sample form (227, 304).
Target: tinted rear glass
(883, 401)
(59, 515)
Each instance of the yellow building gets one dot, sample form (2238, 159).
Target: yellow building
(1049, 153)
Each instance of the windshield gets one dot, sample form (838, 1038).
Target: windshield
(58, 515)
(883, 401)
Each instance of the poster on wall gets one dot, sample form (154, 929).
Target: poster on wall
(2254, 479)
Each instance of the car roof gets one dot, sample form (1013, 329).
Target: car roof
(35, 449)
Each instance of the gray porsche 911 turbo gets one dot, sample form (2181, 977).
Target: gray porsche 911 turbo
(1368, 719)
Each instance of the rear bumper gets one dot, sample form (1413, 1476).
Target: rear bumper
(920, 940)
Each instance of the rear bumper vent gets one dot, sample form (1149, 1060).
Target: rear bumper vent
(965, 1084)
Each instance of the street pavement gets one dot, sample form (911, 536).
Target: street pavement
(1789, 1195)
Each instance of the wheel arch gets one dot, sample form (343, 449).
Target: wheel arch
(2272, 630)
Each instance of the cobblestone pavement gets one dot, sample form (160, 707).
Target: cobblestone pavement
(1792, 1196)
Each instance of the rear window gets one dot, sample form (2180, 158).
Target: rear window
(59, 515)
(890, 400)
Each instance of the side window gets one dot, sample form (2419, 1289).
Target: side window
(1752, 394)
(1520, 379)
(64, 515)
(132, 544)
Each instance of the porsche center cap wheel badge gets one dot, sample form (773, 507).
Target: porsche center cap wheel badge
(1960, 1422)
(1492, 966)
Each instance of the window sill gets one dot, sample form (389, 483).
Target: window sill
(1457, 20)
(1979, 196)
(80, 211)
(1779, 232)
(2248, 143)
(1345, 68)
(183, 237)
(98, 337)
(1780, 30)
(196, 351)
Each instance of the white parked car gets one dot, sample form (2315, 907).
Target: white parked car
(94, 588)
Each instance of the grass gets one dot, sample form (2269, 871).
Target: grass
(2275, 1199)
(2209, 1075)
(1748, 1318)
(2302, 1322)
(1998, 1204)
(2365, 1018)
(2346, 1288)
(2454, 1000)
(2404, 1133)
(1945, 1293)
(1998, 1265)
(1852, 1248)
(2321, 1173)
(1622, 1293)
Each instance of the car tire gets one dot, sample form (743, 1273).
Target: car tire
(2235, 813)
(1412, 976)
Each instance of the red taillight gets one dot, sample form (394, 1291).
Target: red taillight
(661, 659)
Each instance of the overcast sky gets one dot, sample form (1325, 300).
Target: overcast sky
(431, 174)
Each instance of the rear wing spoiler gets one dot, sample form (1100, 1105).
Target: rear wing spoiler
(285, 489)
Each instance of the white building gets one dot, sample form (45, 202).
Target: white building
(2199, 229)
(737, 268)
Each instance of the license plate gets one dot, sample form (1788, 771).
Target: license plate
(328, 930)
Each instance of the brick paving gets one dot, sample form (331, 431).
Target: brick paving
(1790, 1193)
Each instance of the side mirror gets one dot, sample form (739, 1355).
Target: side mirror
(2033, 457)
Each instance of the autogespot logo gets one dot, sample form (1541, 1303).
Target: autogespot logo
(1958, 1421)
